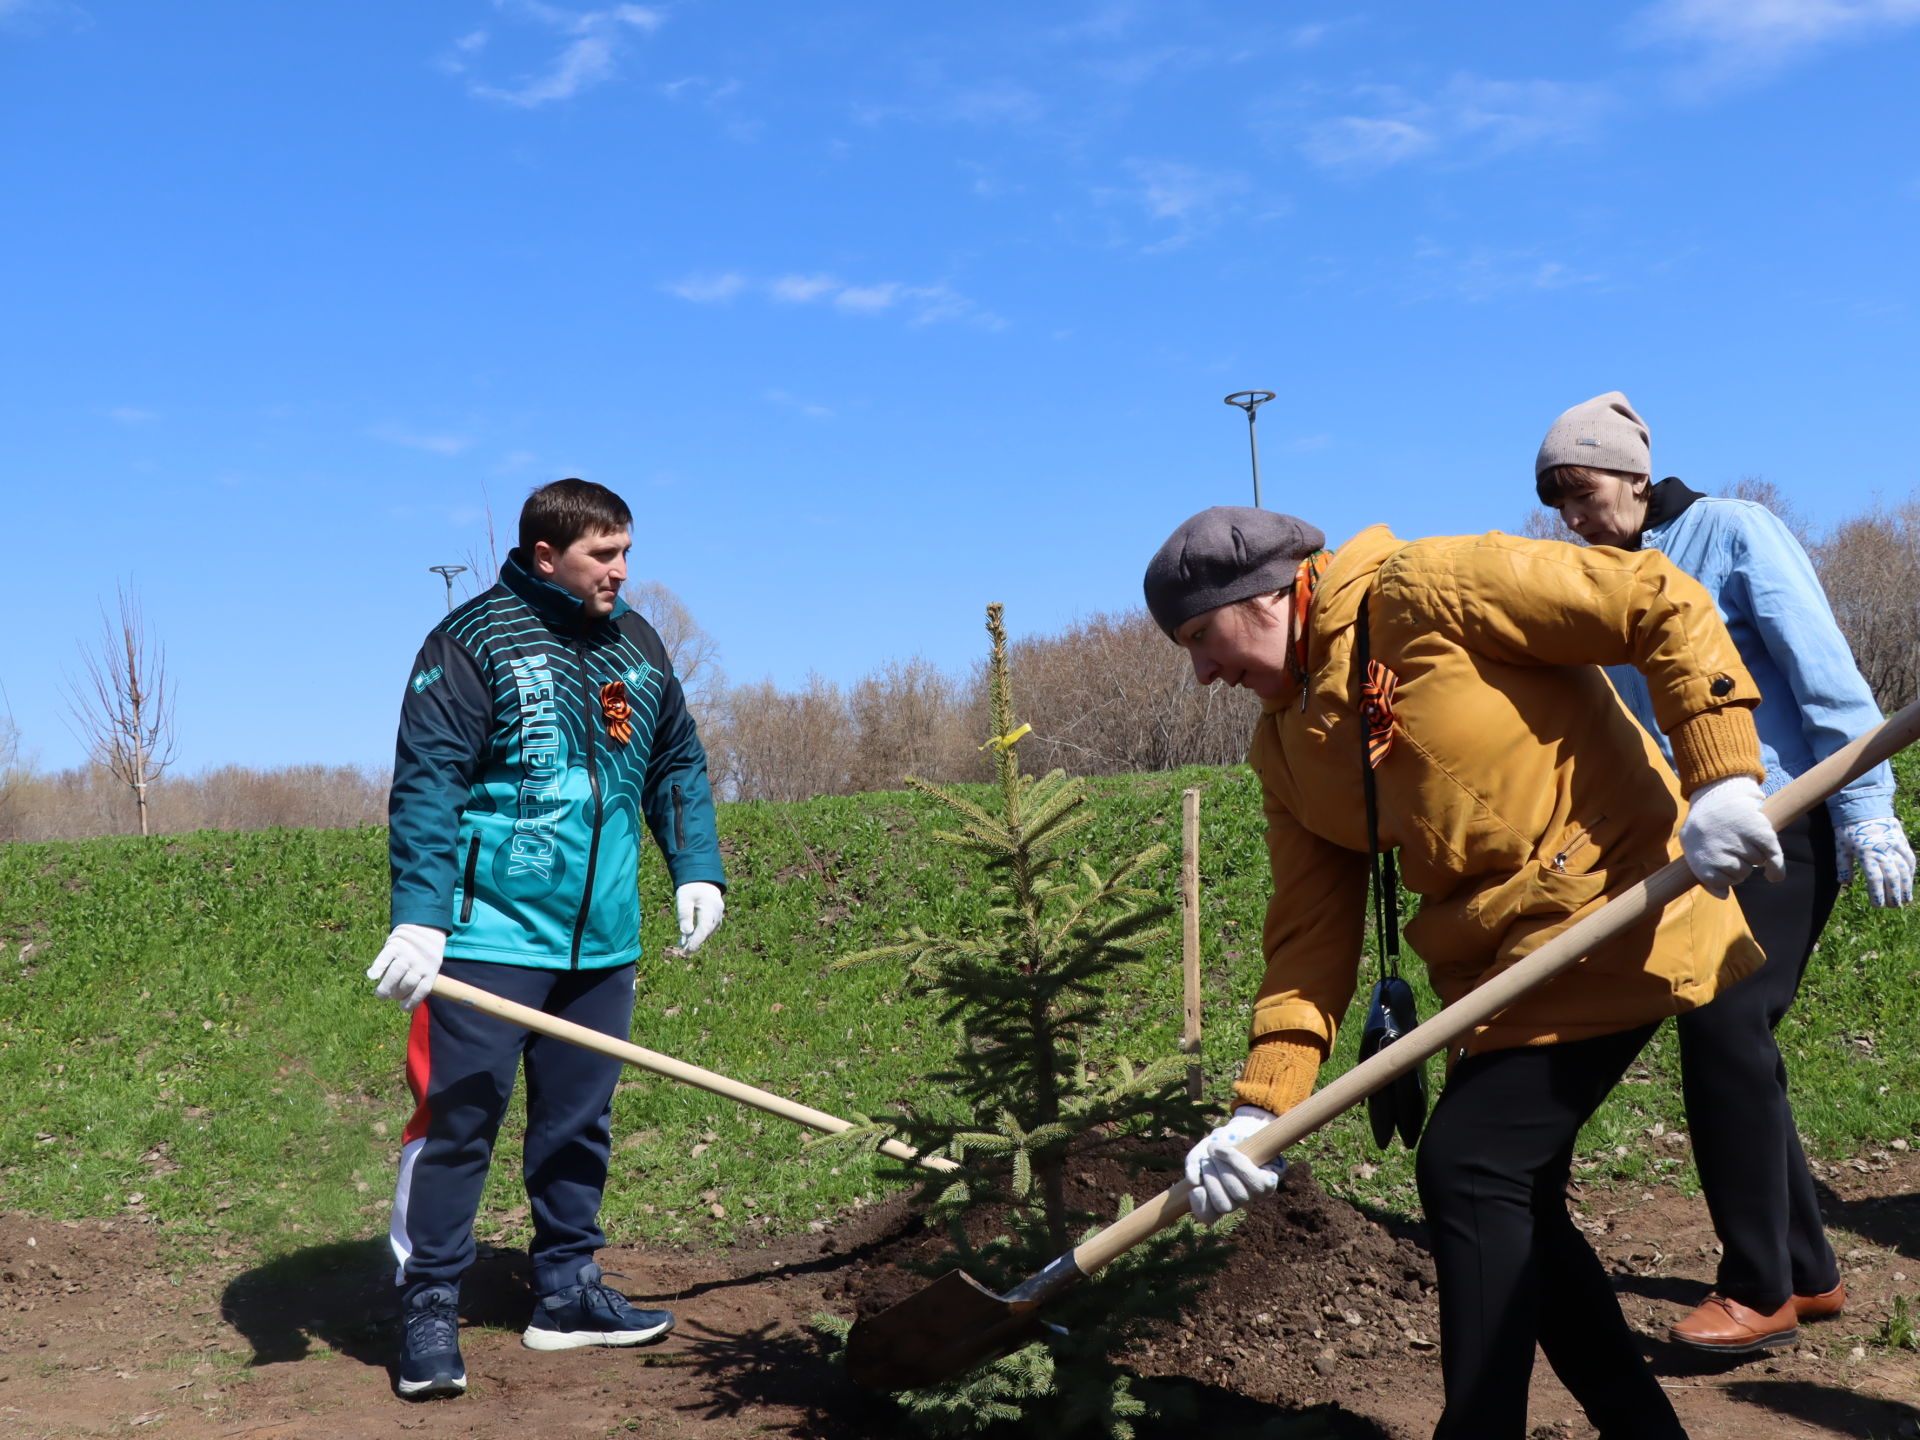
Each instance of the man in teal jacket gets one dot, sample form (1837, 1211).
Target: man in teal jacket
(542, 726)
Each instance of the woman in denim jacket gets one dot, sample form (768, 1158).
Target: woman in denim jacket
(1776, 1267)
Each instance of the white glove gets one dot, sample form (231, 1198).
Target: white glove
(1726, 835)
(700, 905)
(407, 964)
(1879, 850)
(1222, 1178)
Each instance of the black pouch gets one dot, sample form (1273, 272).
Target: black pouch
(1402, 1106)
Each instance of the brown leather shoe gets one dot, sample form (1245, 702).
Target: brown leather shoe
(1726, 1327)
(1818, 1307)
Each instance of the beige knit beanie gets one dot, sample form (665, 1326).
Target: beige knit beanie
(1603, 432)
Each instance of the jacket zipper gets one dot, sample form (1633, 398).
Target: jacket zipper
(588, 716)
(473, 862)
(1580, 837)
(679, 819)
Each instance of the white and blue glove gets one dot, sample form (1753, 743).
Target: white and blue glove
(1223, 1179)
(701, 906)
(407, 964)
(1726, 834)
(1878, 849)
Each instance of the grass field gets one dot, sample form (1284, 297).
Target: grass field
(187, 1035)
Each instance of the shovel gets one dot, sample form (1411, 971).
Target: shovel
(956, 1323)
(528, 1018)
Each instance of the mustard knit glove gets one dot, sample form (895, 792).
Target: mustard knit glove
(1280, 1070)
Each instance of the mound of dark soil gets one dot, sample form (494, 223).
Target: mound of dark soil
(1315, 1300)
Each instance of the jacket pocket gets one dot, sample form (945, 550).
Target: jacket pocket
(466, 882)
(679, 819)
(1566, 855)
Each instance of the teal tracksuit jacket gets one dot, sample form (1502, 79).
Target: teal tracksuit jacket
(517, 802)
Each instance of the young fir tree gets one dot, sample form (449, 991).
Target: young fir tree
(1020, 1100)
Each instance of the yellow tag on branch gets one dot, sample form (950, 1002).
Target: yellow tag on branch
(1007, 741)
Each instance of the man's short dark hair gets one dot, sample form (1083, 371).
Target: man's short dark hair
(562, 512)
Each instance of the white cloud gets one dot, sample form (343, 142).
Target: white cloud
(921, 304)
(414, 440)
(1108, 21)
(128, 414)
(799, 289)
(1172, 191)
(1185, 197)
(589, 55)
(708, 289)
(699, 87)
(799, 406)
(1483, 272)
(1469, 117)
(939, 101)
(27, 14)
(1355, 142)
(868, 298)
(1742, 39)
(988, 183)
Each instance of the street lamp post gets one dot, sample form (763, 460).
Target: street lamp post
(1250, 401)
(447, 572)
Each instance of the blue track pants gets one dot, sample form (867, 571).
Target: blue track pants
(460, 1067)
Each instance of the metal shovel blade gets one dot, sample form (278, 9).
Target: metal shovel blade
(937, 1334)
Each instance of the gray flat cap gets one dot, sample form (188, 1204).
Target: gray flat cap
(1228, 553)
(1604, 432)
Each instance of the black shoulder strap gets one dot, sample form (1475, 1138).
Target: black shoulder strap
(1386, 877)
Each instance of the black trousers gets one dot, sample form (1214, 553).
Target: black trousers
(1752, 1169)
(1513, 1268)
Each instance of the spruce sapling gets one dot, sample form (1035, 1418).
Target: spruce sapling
(1020, 1104)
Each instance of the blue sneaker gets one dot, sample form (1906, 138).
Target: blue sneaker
(430, 1366)
(591, 1314)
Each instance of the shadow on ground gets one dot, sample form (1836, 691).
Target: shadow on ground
(775, 1367)
(1828, 1408)
(342, 1296)
(1889, 1221)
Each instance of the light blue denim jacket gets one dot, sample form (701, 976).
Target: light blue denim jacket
(1813, 698)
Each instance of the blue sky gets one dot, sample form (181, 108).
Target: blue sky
(876, 313)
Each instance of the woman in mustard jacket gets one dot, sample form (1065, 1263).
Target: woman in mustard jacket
(1520, 796)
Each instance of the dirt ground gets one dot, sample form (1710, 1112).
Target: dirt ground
(1324, 1327)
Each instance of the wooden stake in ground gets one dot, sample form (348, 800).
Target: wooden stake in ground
(1190, 935)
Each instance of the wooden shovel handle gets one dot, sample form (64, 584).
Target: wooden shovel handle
(1564, 951)
(529, 1019)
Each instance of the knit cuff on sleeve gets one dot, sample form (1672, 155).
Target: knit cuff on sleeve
(1714, 745)
(1280, 1070)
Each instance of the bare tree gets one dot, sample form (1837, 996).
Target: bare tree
(1870, 566)
(694, 653)
(483, 567)
(120, 703)
(1109, 695)
(1764, 493)
(908, 719)
(772, 744)
(12, 772)
(1544, 524)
